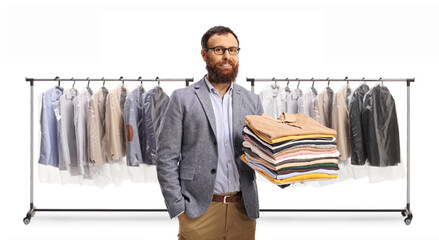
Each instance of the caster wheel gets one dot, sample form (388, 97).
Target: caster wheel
(404, 213)
(408, 221)
(26, 220)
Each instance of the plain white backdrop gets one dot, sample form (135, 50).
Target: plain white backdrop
(372, 39)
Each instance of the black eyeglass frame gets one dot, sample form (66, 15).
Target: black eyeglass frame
(224, 50)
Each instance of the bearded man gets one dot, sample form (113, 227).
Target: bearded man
(200, 140)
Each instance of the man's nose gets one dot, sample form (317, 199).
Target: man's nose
(226, 54)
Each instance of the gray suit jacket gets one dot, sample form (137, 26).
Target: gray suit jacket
(188, 154)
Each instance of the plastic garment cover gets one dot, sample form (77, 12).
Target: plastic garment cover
(103, 170)
(68, 159)
(49, 127)
(138, 169)
(133, 119)
(96, 127)
(155, 104)
(281, 100)
(268, 98)
(380, 127)
(340, 122)
(114, 123)
(358, 154)
(80, 121)
(323, 107)
(293, 101)
(306, 103)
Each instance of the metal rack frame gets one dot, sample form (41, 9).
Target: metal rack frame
(33, 208)
(406, 212)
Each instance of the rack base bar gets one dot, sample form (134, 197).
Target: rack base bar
(332, 210)
(405, 212)
(97, 210)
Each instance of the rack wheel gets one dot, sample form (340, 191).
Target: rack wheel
(408, 221)
(404, 213)
(26, 220)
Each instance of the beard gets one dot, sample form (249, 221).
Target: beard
(216, 75)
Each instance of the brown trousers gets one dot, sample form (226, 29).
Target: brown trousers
(220, 221)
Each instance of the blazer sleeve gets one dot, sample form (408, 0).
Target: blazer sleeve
(260, 107)
(168, 156)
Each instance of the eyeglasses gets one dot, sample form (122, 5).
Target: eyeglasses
(222, 50)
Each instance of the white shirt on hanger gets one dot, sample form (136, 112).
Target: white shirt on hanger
(306, 103)
(293, 101)
(269, 99)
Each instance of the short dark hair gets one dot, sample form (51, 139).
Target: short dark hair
(216, 30)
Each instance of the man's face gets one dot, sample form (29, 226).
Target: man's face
(221, 68)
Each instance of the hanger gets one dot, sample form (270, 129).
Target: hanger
(382, 82)
(327, 79)
(123, 82)
(346, 79)
(364, 80)
(275, 83)
(103, 84)
(141, 81)
(287, 89)
(88, 84)
(73, 86)
(312, 79)
(59, 82)
(158, 81)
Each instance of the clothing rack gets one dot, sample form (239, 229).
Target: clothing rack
(33, 208)
(406, 212)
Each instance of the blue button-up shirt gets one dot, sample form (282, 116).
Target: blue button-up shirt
(49, 128)
(227, 175)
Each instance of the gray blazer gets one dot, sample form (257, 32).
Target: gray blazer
(188, 154)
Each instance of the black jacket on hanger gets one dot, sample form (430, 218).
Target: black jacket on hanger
(380, 128)
(358, 156)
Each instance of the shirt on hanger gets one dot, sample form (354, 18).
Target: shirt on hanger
(49, 128)
(269, 97)
(292, 101)
(80, 115)
(306, 103)
(68, 159)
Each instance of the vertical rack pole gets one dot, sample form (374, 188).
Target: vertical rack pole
(31, 211)
(407, 212)
(31, 144)
(408, 145)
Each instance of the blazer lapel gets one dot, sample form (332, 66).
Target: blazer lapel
(203, 95)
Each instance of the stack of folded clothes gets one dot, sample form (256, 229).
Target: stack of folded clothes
(292, 148)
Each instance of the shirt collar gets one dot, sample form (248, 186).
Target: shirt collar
(56, 93)
(213, 90)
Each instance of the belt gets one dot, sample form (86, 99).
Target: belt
(227, 199)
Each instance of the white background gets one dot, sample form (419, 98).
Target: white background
(372, 39)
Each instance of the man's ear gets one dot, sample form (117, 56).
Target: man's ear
(203, 54)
